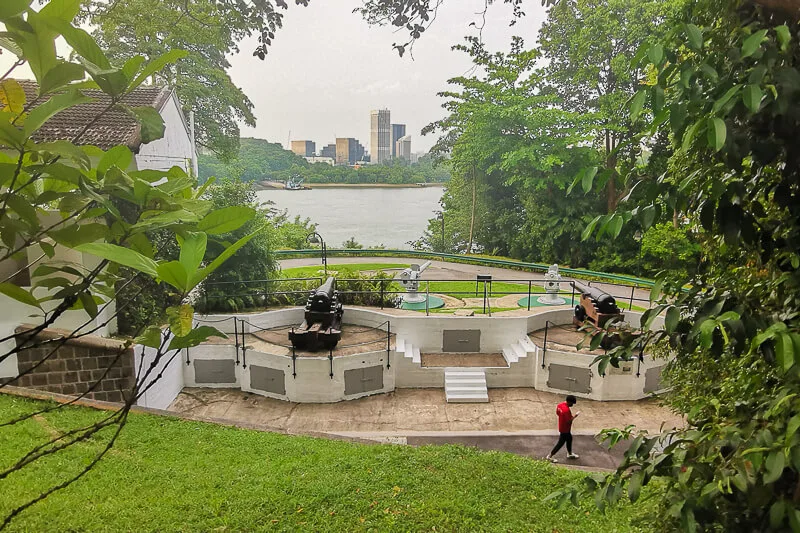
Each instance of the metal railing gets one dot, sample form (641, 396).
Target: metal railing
(381, 292)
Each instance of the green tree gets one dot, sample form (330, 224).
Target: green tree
(209, 32)
(730, 76)
(590, 46)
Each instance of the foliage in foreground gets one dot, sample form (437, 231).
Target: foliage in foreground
(170, 474)
(73, 215)
(725, 86)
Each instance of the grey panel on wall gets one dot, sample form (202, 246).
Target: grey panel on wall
(360, 380)
(461, 340)
(569, 378)
(652, 379)
(267, 379)
(214, 371)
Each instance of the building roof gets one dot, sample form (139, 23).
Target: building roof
(114, 127)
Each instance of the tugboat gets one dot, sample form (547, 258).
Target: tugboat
(295, 184)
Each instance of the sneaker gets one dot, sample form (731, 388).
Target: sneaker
(573, 456)
(551, 459)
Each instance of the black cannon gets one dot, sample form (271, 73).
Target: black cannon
(322, 324)
(595, 305)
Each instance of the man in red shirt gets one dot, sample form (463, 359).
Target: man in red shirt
(565, 418)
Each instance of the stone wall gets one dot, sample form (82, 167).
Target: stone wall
(76, 366)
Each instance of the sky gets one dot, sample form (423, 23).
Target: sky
(327, 69)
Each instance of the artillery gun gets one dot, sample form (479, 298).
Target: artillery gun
(322, 324)
(409, 278)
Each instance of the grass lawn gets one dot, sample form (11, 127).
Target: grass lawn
(317, 270)
(172, 475)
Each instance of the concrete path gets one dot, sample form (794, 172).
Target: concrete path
(440, 270)
(517, 420)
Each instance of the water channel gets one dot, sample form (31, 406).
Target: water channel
(372, 215)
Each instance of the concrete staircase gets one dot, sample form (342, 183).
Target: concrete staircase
(408, 350)
(465, 385)
(518, 350)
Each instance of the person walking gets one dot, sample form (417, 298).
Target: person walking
(565, 418)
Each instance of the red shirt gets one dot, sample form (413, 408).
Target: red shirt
(565, 418)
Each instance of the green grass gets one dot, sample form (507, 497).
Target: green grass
(172, 475)
(317, 270)
(466, 289)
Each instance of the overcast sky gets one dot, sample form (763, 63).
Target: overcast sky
(327, 69)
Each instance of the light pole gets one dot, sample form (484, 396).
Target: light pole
(316, 238)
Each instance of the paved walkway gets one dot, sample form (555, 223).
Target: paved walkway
(440, 270)
(518, 420)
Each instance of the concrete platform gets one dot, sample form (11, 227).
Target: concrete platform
(414, 410)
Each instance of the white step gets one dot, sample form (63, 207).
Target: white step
(527, 344)
(400, 345)
(510, 355)
(416, 357)
(519, 350)
(465, 385)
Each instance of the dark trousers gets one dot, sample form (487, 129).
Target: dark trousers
(563, 438)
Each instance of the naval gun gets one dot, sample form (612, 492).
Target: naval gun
(322, 324)
(409, 278)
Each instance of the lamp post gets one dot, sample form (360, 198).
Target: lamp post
(316, 238)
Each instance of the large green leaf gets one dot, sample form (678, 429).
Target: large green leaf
(151, 337)
(717, 132)
(65, 10)
(753, 43)
(226, 219)
(175, 274)
(18, 294)
(751, 96)
(12, 96)
(76, 234)
(80, 41)
(57, 103)
(774, 466)
(216, 263)
(60, 75)
(784, 36)
(118, 156)
(151, 123)
(695, 35)
(180, 319)
(637, 103)
(157, 64)
(193, 249)
(588, 178)
(12, 8)
(195, 337)
(122, 256)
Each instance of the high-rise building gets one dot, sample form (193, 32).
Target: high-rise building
(304, 148)
(398, 132)
(348, 151)
(328, 151)
(403, 147)
(380, 145)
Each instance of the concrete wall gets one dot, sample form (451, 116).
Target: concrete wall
(161, 382)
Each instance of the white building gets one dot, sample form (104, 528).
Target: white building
(380, 148)
(403, 148)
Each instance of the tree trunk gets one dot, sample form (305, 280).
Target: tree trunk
(472, 217)
(611, 187)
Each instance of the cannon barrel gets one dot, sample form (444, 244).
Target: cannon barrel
(605, 302)
(424, 265)
(320, 299)
(326, 288)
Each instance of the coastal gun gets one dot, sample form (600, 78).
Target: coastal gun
(595, 305)
(322, 324)
(409, 278)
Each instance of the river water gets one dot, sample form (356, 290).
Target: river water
(373, 216)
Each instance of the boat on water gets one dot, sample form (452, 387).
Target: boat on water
(295, 184)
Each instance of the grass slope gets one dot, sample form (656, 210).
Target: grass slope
(173, 475)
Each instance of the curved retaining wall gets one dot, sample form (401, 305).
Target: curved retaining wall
(309, 379)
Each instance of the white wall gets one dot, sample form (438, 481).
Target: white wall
(175, 148)
(161, 394)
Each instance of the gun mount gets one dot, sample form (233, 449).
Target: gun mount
(409, 278)
(595, 305)
(322, 324)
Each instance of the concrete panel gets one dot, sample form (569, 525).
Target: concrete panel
(268, 379)
(373, 378)
(652, 379)
(570, 378)
(461, 340)
(214, 371)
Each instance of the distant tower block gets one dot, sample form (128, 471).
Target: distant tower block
(380, 136)
(551, 287)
